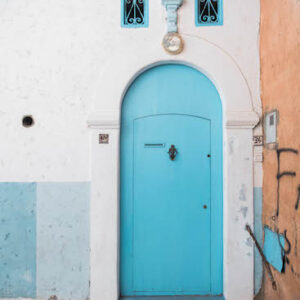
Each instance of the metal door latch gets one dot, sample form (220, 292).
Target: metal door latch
(172, 152)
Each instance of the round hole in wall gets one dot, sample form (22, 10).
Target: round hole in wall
(28, 121)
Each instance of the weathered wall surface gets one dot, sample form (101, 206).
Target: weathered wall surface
(280, 84)
(44, 240)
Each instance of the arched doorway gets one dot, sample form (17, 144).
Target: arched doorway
(171, 185)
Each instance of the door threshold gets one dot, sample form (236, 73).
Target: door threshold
(184, 297)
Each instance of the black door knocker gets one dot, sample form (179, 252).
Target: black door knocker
(172, 152)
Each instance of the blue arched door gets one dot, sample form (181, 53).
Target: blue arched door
(171, 184)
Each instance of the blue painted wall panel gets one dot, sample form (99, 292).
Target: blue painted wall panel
(17, 240)
(63, 240)
(258, 231)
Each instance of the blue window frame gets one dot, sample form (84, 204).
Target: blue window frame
(134, 13)
(209, 12)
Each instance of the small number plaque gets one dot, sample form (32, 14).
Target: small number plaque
(258, 140)
(103, 138)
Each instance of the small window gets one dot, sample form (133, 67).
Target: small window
(209, 12)
(134, 13)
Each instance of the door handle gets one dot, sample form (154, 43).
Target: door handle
(172, 152)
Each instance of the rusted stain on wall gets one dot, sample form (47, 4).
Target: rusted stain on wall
(280, 73)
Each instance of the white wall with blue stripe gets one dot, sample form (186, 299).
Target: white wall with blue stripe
(53, 59)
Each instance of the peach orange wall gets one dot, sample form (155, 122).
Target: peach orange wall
(280, 90)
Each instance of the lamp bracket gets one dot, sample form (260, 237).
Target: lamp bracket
(172, 7)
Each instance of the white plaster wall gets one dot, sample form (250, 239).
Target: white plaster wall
(56, 64)
(62, 61)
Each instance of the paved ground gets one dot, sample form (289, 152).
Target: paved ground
(174, 298)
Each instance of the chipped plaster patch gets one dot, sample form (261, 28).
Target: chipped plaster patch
(242, 196)
(244, 211)
(249, 242)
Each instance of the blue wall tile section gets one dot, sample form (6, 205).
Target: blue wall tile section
(258, 232)
(272, 249)
(63, 240)
(17, 240)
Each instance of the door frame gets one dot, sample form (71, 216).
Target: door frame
(239, 119)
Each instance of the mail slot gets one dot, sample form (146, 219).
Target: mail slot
(153, 145)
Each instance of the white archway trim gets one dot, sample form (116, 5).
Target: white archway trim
(119, 71)
(239, 121)
(105, 120)
(111, 119)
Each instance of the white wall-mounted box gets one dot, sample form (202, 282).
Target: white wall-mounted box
(271, 127)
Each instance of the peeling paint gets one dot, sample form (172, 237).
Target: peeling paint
(272, 249)
(242, 196)
(249, 242)
(244, 211)
(231, 146)
(53, 297)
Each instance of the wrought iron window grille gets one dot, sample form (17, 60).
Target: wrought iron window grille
(209, 12)
(134, 13)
